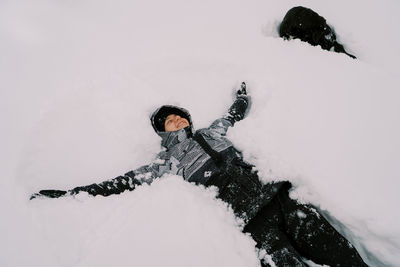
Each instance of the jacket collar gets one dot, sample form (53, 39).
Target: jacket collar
(170, 139)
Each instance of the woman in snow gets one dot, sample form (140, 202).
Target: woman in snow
(285, 230)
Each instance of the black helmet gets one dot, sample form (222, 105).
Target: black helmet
(159, 116)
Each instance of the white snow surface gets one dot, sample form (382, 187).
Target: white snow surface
(79, 80)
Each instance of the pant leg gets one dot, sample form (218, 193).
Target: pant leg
(239, 185)
(314, 237)
(267, 229)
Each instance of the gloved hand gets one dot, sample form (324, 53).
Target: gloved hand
(49, 194)
(239, 108)
(242, 91)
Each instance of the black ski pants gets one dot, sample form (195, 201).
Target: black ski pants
(289, 231)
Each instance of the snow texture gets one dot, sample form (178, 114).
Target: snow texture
(79, 80)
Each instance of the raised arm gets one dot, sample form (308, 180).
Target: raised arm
(128, 181)
(236, 112)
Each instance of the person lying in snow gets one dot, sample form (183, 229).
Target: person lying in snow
(283, 228)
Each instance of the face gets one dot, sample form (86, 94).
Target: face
(175, 122)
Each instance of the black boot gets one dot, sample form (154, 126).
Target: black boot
(314, 237)
(268, 230)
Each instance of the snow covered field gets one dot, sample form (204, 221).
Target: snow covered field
(79, 80)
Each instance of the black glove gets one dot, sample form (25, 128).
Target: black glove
(239, 108)
(49, 193)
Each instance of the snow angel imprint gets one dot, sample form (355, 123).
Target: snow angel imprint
(283, 228)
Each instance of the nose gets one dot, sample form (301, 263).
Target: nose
(177, 118)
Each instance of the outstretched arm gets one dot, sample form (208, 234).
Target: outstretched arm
(128, 181)
(236, 112)
(109, 187)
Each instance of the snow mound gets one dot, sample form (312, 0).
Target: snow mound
(170, 223)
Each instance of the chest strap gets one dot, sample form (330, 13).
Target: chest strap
(215, 156)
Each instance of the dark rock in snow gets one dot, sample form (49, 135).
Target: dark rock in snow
(306, 25)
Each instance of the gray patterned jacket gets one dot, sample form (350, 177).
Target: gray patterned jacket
(184, 156)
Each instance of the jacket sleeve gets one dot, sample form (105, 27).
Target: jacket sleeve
(236, 112)
(128, 181)
(221, 126)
